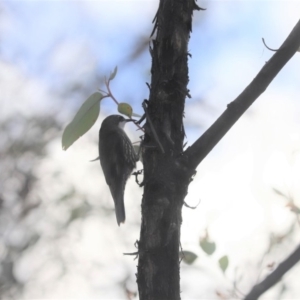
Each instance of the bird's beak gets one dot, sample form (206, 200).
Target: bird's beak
(122, 124)
(129, 120)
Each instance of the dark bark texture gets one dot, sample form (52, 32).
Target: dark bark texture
(165, 182)
(167, 169)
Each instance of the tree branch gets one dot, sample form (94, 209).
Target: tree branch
(275, 276)
(198, 151)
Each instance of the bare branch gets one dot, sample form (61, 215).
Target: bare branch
(275, 276)
(198, 151)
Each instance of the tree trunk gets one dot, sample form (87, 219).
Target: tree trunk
(165, 180)
(167, 169)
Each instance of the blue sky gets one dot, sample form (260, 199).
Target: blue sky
(55, 40)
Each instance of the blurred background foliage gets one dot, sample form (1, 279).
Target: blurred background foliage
(58, 234)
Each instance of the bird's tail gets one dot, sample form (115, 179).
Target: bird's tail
(118, 196)
(120, 211)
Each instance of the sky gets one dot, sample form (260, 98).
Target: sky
(47, 46)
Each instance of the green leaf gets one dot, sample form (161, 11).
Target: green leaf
(188, 257)
(125, 109)
(223, 263)
(113, 74)
(207, 246)
(83, 120)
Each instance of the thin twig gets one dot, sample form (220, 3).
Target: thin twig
(98, 158)
(268, 47)
(191, 207)
(109, 91)
(137, 125)
(133, 253)
(136, 174)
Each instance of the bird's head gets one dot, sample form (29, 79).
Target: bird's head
(115, 121)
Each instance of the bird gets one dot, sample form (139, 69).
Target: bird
(117, 159)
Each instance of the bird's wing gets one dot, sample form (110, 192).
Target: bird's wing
(109, 148)
(128, 151)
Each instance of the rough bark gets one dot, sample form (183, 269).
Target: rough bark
(165, 183)
(167, 169)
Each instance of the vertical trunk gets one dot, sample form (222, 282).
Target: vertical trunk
(165, 181)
